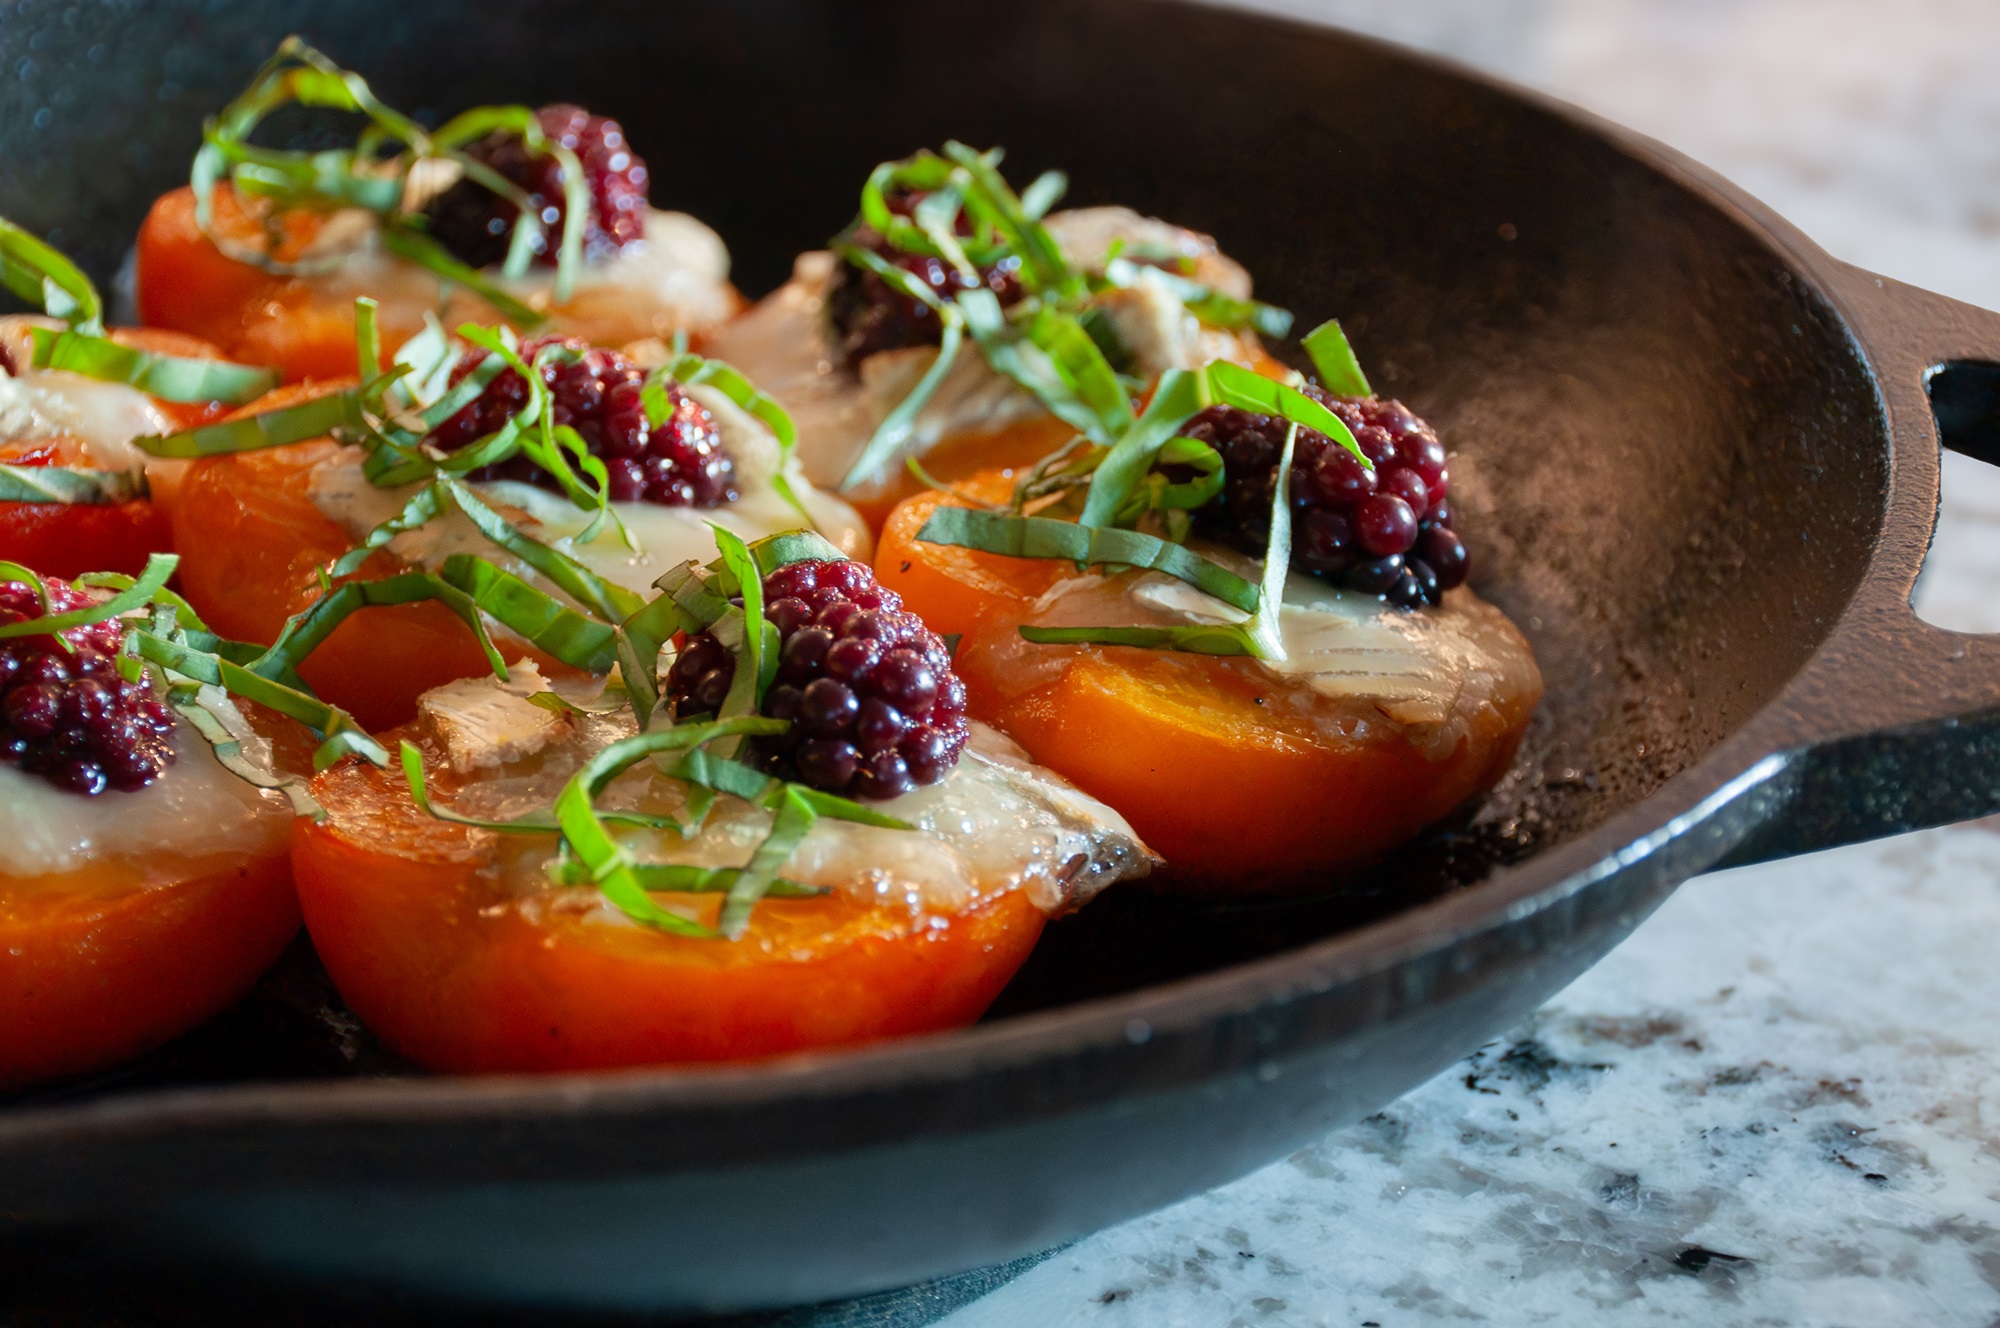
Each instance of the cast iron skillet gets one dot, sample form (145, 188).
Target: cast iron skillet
(1701, 472)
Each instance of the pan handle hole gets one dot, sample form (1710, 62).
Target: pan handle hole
(1965, 397)
(1956, 587)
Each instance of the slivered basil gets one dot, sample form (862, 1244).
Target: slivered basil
(1045, 537)
(1209, 306)
(421, 249)
(71, 487)
(545, 622)
(38, 272)
(292, 424)
(1335, 362)
(900, 424)
(374, 173)
(609, 865)
(168, 377)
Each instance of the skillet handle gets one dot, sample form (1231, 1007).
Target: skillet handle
(1895, 724)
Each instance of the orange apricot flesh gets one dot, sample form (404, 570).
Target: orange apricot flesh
(1236, 791)
(96, 966)
(458, 975)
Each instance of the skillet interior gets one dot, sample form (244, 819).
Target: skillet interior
(1672, 454)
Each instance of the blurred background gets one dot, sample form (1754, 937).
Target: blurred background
(1874, 125)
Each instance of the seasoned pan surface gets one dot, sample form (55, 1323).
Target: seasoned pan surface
(1699, 470)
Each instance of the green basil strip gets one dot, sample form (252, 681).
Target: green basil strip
(228, 749)
(184, 615)
(420, 794)
(343, 736)
(1044, 193)
(608, 600)
(1083, 366)
(731, 382)
(686, 879)
(897, 426)
(1175, 400)
(655, 625)
(732, 629)
(1068, 375)
(431, 358)
(1195, 638)
(424, 505)
(1045, 537)
(457, 396)
(1263, 629)
(1214, 309)
(694, 596)
(705, 769)
(544, 621)
(1234, 385)
(792, 820)
(276, 428)
(1209, 306)
(27, 576)
(364, 175)
(1200, 457)
(1335, 362)
(159, 566)
(900, 424)
(1043, 266)
(793, 546)
(637, 669)
(39, 273)
(757, 660)
(406, 242)
(168, 377)
(71, 487)
(609, 863)
(305, 632)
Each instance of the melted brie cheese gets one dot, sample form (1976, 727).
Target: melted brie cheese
(994, 824)
(196, 818)
(677, 277)
(782, 343)
(662, 537)
(1352, 663)
(97, 419)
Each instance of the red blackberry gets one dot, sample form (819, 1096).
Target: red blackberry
(868, 316)
(476, 224)
(680, 464)
(1384, 532)
(66, 714)
(876, 708)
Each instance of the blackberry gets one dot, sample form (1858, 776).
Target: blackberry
(868, 316)
(680, 464)
(876, 708)
(66, 715)
(476, 224)
(1383, 532)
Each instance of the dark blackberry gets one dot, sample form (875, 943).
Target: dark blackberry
(867, 316)
(475, 223)
(1383, 532)
(66, 715)
(680, 464)
(875, 707)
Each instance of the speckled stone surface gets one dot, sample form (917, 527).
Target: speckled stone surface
(1779, 1102)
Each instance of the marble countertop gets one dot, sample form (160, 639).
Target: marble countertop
(1779, 1102)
